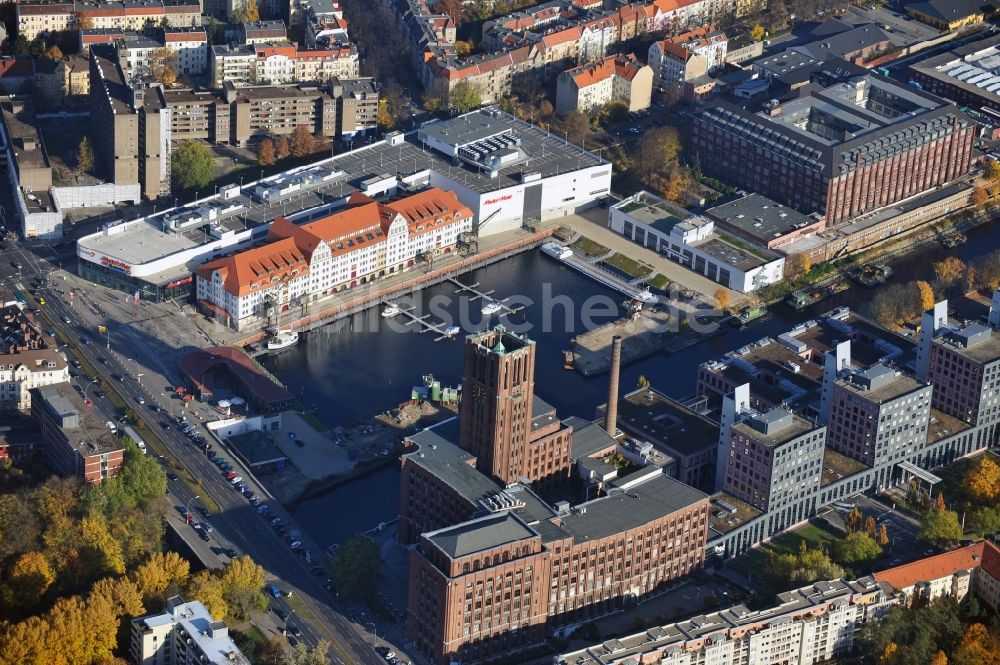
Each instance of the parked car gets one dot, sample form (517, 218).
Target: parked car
(280, 613)
(236, 481)
(296, 544)
(230, 475)
(275, 591)
(140, 400)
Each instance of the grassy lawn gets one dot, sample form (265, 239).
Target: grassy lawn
(630, 266)
(589, 247)
(951, 479)
(754, 561)
(658, 281)
(300, 609)
(749, 249)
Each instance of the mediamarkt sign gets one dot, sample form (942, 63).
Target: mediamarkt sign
(505, 197)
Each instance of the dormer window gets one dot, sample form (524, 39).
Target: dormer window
(254, 285)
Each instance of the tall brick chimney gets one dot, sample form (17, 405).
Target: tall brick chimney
(611, 417)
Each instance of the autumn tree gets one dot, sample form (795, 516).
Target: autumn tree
(992, 169)
(858, 547)
(251, 12)
(83, 22)
(576, 127)
(385, 119)
(453, 8)
(265, 153)
(208, 589)
(464, 97)
(721, 299)
(939, 658)
(978, 647)
(757, 32)
(927, 298)
(463, 47)
(939, 502)
(281, 147)
(160, 576)
(29, 579)
(979, 196)
(854, 520)
(941, 527)
(657, 149)
(54, 53)
(242, 587)
(84, 156)
(805, 566)
(163, 66)
(895, 304)
(949, 270)
(301, 143)
(883, 535)
(303, 655)
(982, 482)
(870, 527)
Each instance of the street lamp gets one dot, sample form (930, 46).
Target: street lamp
(170, 403)
(187, 506)
(374, 628)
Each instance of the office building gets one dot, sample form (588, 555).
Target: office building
(767, 223)
(75, 439)
(967, 75)
(499, 423)
(616, 78)
(28, 359)
(304, 264)
(130, 127)
(185, 633)
(962, 361)
(509, 173)
(856, 142)
(695, 242)
(493, 566)
(770, 460)
(687, 56)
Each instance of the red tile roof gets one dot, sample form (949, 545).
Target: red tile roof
(934, 567)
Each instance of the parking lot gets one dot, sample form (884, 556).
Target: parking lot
(904, 531)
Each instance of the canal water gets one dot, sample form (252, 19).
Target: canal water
(356, 368)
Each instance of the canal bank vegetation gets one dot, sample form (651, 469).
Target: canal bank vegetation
(355, 570)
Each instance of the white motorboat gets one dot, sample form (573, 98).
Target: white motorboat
(451, 331)
(282, 340)
(557, 251)
(390, 310)
(492, 307)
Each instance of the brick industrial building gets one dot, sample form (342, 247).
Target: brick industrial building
(851, 143)
(493, 566)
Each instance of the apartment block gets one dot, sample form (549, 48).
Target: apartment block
(854, 143)
(137, 51)
(36, 17)
(616, 78)
(185, 633)
(130, 126)
(28, 359)
(687, 56)
(357, 105)
(264, 32)
(277, 63)
(76, 441)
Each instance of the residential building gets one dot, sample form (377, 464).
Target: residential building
(857, 44)
(264, 32)
(130, 126)
(357, 106)
(695, 242)
(62, 83)
(947, 14)
(28, 359)
(687, 56)
(812, 624)
(965, 74)
(277, 63)
(185, 633)
(139, 51)
(16, 74)
(742, 48)
(301, 264)
(76, 440)
(36, 17)
(974, 569)
(825, 151)
(616, 78)
(29, 172)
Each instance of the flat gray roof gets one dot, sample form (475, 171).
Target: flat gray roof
(480, 534)
(759, 217)
(629, 508)
(22, 125)
(652, 416)
(445, 460)
(588, 437)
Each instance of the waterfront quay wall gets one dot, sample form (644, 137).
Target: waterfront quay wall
(365, 300)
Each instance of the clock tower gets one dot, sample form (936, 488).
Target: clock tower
(497, 396)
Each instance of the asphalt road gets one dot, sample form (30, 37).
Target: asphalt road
(237, 525)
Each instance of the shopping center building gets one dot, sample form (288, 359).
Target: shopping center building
(509, 173)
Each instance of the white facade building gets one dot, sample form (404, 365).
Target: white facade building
(280, 63)
(184, 634)
(695, 242)
(306, 263)
(688, 55)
